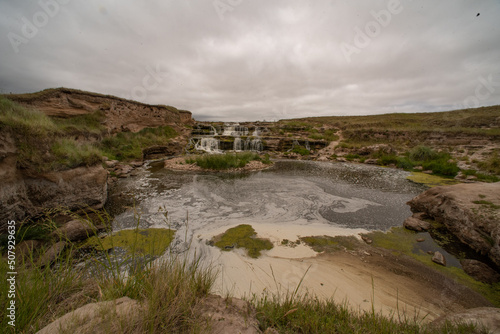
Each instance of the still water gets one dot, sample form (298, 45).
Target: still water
(291, 193)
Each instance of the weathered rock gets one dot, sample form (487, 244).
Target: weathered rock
(439, 258)
(52, 253)
(480, 271)
(469, 211)
(23, 196)
(75, 230)
(488, 317)
(371, 161)
(97, 318)
(121, 115)
(228, 315)
(157, 151)
(415, 224)
(123, 170)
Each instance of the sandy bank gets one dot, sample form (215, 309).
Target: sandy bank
(362, 278)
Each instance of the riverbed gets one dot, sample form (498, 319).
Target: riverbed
(290, 200)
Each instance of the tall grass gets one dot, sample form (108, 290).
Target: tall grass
(225, 161)
(167, 291)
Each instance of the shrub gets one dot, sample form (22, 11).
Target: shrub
(301, 150)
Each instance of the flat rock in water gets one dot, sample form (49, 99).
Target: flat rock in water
(415, 224)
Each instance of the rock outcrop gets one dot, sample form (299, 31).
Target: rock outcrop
(24, 195)
(121, 114)
(471, 212)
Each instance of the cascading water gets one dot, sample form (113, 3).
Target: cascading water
(209, 144)
(238, 144)
(235, 130)
(207, 138)
(254, 144)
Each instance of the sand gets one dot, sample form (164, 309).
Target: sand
(365, 278)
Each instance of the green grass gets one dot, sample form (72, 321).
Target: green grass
(169, 291)
(487, 204)
(226, 161)
(306, 314)
(70, 153)
(301, 150)
(480, 176)
(492, 164)
(242, 236)
(129, 146)
(48, 143)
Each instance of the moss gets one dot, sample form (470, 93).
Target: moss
(326, 243)
(242, 236)
(152, 241)
(403, 241)
(430, 180)
(487, 204)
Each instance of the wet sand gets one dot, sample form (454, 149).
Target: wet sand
(362, 278)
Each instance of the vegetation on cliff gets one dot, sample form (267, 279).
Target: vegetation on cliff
(51, 143)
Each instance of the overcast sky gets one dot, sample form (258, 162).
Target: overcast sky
(236, 60)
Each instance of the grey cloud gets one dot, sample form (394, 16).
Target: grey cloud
(264, 59)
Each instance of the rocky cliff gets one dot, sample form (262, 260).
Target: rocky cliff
(120, 114)
(469, 211)
(24, 195)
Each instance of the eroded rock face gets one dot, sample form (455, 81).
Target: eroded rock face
(469, 211)
(121, 114)
(23, 196)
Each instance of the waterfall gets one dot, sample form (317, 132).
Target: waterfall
(238, 144)
(214, 131)
(256, 132)
(253, 145)
(210, 145)
(235, 130)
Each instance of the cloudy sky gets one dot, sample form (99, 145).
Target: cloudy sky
(259, 59)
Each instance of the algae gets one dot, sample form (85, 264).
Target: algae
(431, 180)
(331, 244)
(152, 241)
(242, 236)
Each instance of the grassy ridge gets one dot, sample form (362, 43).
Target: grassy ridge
(483, 120)
(51, 143)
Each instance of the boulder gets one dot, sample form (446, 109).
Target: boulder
(415, 224)
(488, 317)
(439, 258)
(469, 211)
(228, 315)
(75, 230)
(94, 317)
(480, 271)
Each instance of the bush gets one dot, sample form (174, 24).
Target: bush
(301, 150)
